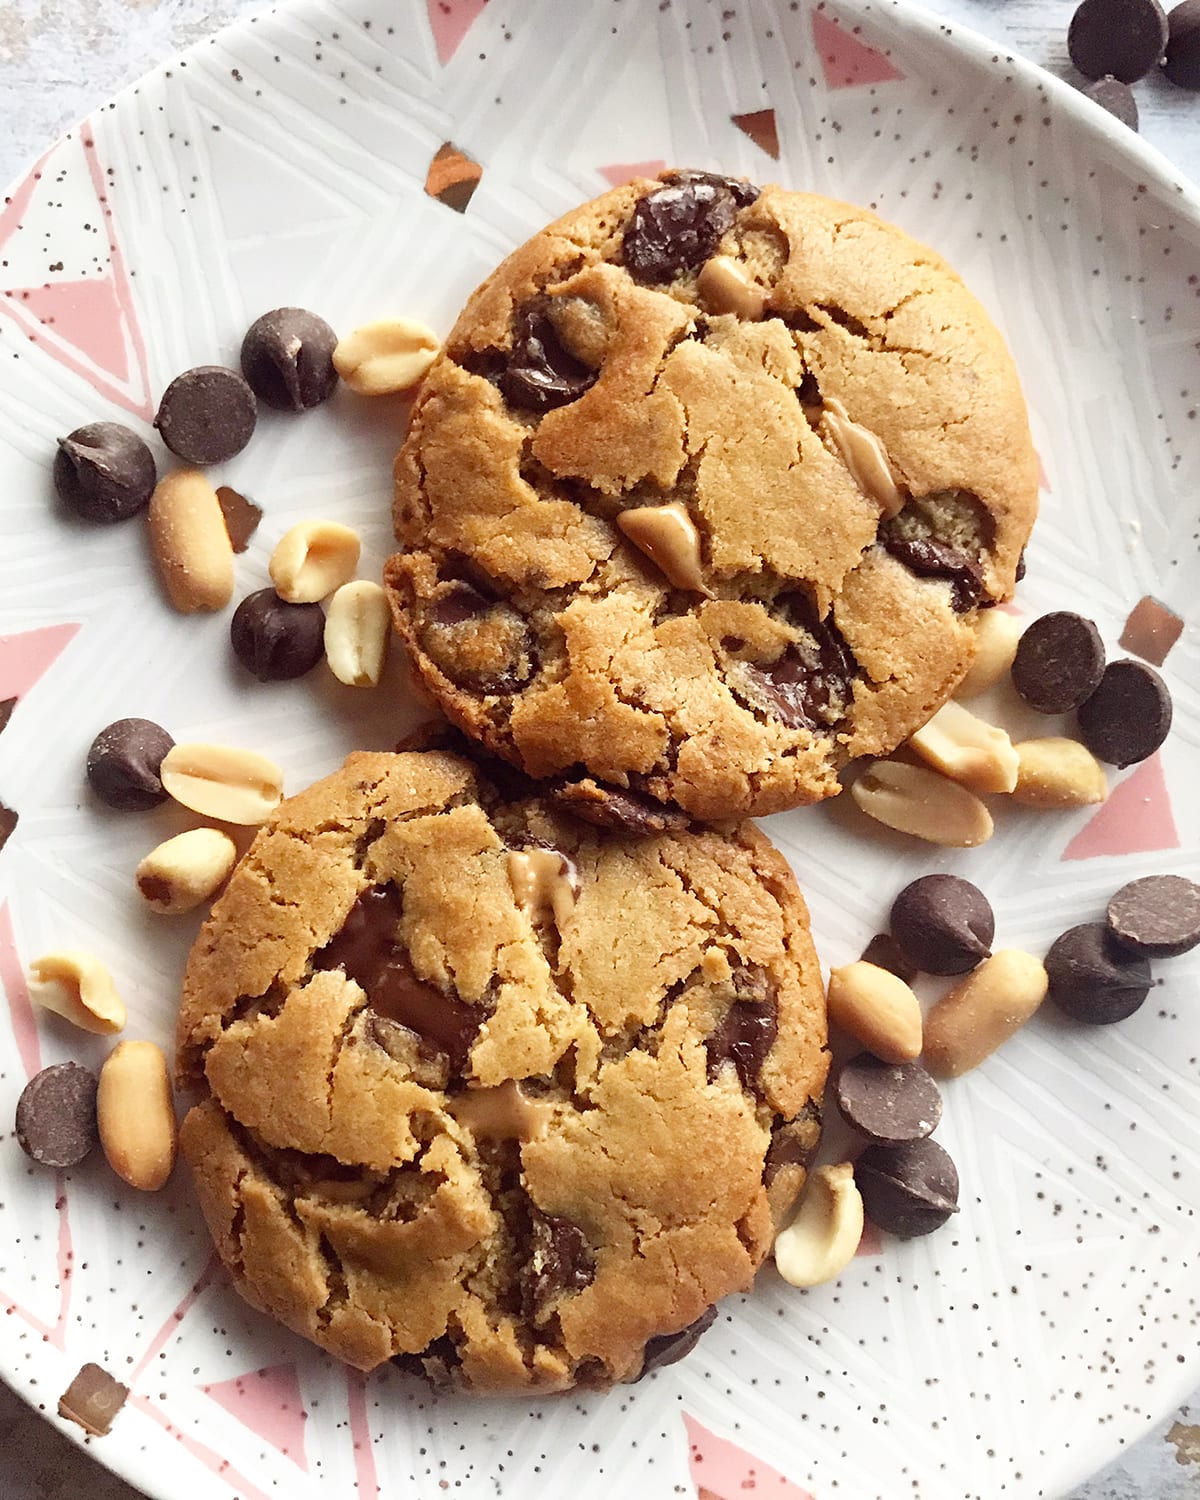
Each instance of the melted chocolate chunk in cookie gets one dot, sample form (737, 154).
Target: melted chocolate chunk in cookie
(929, 558)
(479, 642)
(808, 687)
(747, 1032)
(367, 952)
(560, 1260)
(670, 1348)
(540, 373)
(677, 227)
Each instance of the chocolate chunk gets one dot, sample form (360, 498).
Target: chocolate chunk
(1124, 38)
(617, 809)
(1128, 716)
(366, 951)
(888, 1102)
(56, 1115)
(104, 472)
(886, 953)
(560, 1260)
(1021, 569)
(744, 1037)
(907, 1190)
(1093, 978)
(670, 1348)
(1059, 662)
(276, 640)
(743, 191)
(92, 1400)
(676, 228)
(1182, 65)
(435, 1363)
(943, 923)
(1157, 916)
(540, 374)
(1116, 97)
(929, 558)
(207, 414)
(123, 764)
(1151, 630)
(793, 1143)
(8, 823)
(476, 640)
(241, 516)
(6, 711)
(808, 687)
(287, 359)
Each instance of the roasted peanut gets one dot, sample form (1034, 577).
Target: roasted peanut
(184, 871)
(382, 358)
(823, 1238)
(997, 634)
(79, 988)
(984, 1009)
(1058, 772)
(913, 800)
(358, 628)
(216, 781)
(967, 749)
(136, 1115)
(724, 287)
(312, 559)
(190, 543)
(877, 1009)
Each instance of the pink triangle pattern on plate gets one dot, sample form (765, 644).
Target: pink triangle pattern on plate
(211, 1461)
(845, 61)
(726, 1472)
(1136, 819)
(366, 1480)
(450, 20)
(269, 1403)
(16, 993)
(26, 658)
(621, 172)
(205, 1279)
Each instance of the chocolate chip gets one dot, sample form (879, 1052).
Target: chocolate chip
(435, 1363)
(276, 640)
(104, 472)
(676, 228)
(56, 1115)
(1021, 569)
(1182, 66)
(366, 951)
(744, 1037)
(92, 1400)
(808, 687)
(8, 823)
(241, 516)
(287, 359)
(1128, 716)
(888, 1102)
(1157, 916)
(743, 191)
(929, 558)
(618, 809)
(907, 1190)
(6, 709)
(943, 923)
(540, 374)
(1124, 38)
(560, 1260)
(207, 414)
(1059, 662)
(1093, 978)
(670, 1348)
(1116, 97)
(886, 953)
(123, 764)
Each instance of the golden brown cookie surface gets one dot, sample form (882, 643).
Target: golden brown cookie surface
(490, 1090)
(703, 492)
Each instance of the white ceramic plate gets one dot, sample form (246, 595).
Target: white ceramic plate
(284, 163)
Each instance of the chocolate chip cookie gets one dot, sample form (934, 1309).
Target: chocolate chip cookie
(489, 1093)
(704, 492)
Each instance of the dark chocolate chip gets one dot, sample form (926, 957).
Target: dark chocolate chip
(944, 923)
(808, 687)
(1128, 716)
(744, 191)
(6, 709)
(56, 1115)
(123, 764)
(560, 1260)
(104, 472)
(670, 1348)
(888, 1102)
(1059, 662)
(886, 953)
(1182, 66)
(1116, 97)
(207, 414)
(435, 1363)
(1093, 978)
(241, 516)
(676, 228)
(8, 822)
(540, 374)
(459, 603)
(1157, 916)
(287, 359)
(907, 1190)
(276, 640)
(1021, 569)
(793, 1143)
(744, 1037)
(617, 809)
(929, 558)
(366, 951)
(1124, 38)
(92, 1400)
